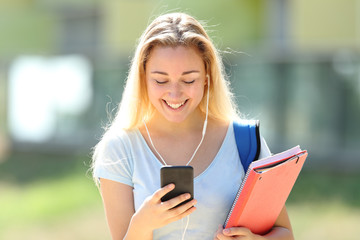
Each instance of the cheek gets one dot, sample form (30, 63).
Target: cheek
(154, 93)
(197, 92)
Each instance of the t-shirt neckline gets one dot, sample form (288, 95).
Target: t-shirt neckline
(203, 173)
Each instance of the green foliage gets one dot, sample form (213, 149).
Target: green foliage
(38, 188)
(43, 200)
(321, 187)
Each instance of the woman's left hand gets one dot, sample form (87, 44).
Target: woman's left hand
(237, 233)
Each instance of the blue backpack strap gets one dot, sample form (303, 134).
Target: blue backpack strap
(247, 137)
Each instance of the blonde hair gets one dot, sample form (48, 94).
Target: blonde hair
(173, 30)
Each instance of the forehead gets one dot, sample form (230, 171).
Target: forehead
(180, 58)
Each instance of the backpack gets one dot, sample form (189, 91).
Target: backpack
(247, 137)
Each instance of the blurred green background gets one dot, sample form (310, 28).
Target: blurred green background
(293, 64)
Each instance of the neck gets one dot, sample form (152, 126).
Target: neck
(184, 126)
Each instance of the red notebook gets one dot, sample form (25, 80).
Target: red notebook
(264, 190)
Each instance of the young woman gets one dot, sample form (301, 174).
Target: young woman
(176, 110)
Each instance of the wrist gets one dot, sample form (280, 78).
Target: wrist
(138, 229)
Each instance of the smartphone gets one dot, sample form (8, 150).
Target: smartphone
(182, 177)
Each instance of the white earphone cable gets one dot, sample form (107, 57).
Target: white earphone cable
(205, 122)
(186, 226)
(152, 144)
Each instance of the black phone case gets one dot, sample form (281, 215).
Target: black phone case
(182, 177)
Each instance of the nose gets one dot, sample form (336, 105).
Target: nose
(175, 90)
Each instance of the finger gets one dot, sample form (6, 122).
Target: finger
(162, 192)
(236, 231)
(221, 236)
(219, 230)
(183, 208)
(182, 211)
(176, 201)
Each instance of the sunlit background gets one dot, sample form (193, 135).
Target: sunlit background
(293, 64)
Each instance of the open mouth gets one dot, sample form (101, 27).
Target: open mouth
(175, 105)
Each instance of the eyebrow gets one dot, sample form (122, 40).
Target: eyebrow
(184, 73)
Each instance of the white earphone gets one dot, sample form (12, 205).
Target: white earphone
(207, 104)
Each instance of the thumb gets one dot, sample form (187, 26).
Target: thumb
(219, 230)
(241, 231)
(227, 231)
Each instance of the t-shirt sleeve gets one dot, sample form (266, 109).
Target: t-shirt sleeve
(113, 160)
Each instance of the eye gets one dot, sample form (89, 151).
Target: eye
(160, 82)
(189, 82)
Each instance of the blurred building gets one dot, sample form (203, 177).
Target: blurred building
(63, 66)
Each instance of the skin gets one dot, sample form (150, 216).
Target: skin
(176, 80)
(281, 230)
(175, 76)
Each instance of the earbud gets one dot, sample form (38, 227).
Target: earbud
(207, 105)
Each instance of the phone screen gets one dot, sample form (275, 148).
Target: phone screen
(182, 177)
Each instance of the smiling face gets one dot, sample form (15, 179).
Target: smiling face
(175, 79)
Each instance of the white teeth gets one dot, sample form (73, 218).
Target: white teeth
(175, 106)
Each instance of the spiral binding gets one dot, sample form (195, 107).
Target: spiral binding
(237, 196)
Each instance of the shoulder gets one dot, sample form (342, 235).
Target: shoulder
(116, 142)
(119, 136)
(113, 158)
(217, 130)
(217, 126)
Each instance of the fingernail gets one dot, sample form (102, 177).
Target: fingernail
(226, 230)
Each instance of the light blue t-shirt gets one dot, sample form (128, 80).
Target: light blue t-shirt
(126, 158)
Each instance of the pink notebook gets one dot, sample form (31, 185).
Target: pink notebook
(264, 190)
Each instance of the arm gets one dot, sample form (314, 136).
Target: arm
(118, 202)
(282, 227)
(281, 231)
(124, 223)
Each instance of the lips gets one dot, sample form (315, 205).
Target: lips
(175, 105)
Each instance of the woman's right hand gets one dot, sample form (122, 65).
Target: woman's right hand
(154, 213)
